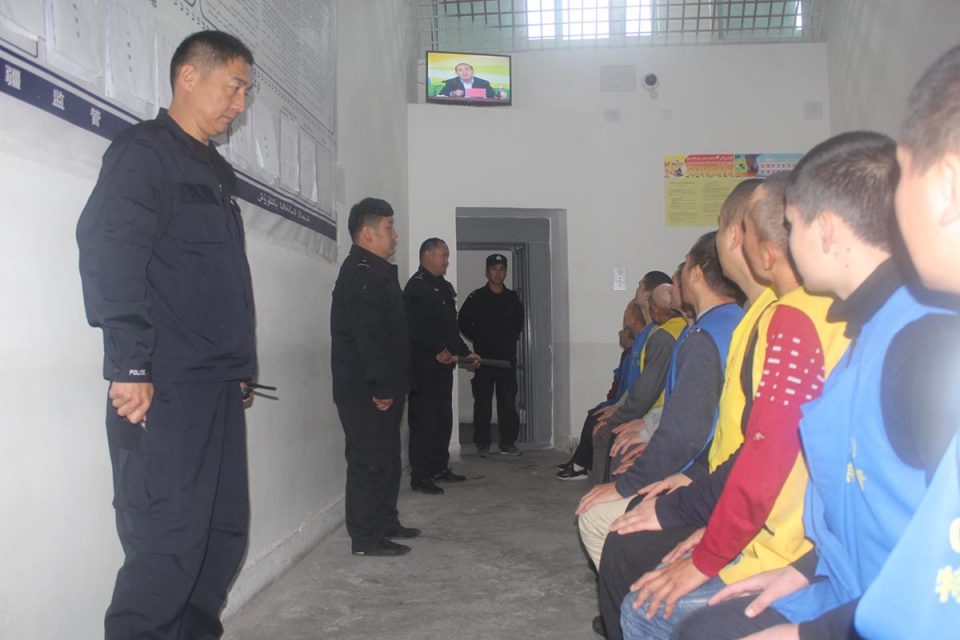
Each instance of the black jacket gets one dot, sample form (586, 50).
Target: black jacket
(493, 322)
(162, 260)
(431, 304)
(370, 349)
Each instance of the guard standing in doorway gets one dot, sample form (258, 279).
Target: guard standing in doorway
(165, 276)
(432, 316)
(492, 317)
(370, 358)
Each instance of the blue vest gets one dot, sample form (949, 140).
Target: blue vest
(860, 496)
(631, 371)
(917, 594)
(719, 323)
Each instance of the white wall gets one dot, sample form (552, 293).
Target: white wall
(58, 541)
(553, 149)
(877, 50)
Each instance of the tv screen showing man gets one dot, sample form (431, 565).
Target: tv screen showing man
(468, 78)
(466, 85)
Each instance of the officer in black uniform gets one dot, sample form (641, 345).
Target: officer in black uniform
(370, 357)
(435, 340)
(165, 276)
(492, 318)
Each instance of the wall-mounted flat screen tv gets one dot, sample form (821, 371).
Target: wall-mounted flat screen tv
(468, 78)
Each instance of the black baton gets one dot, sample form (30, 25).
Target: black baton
(485, 362)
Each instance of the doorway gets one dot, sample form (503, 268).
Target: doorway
(471, 275)
(535, 242)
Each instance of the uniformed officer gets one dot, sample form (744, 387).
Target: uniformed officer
(492, 318)
(370, 357)
(435, 344)
(165, 276)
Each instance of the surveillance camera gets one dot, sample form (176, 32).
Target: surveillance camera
(651, 81)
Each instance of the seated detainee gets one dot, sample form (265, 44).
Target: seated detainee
(632, 336)
(866, 440)
(916, 592)
(606, 468)
(755, 524)
(636, 418)
(621, 561)
(694, 379)
(604, 438)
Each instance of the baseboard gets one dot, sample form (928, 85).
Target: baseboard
(259, 573)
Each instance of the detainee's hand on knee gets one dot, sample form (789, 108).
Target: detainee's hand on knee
(601, 493)
(768, 586)
(634, 426)
(668, 485)
(625, 441)
(684, 547)
(642, 517)
(628, 458)
(131, 400)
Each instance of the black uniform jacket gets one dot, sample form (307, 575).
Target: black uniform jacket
(493, 321)
(162, 260)
(370, 350)
(431, 304)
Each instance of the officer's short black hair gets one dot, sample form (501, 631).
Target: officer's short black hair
(430, 244)
(703, 254)
(653, 279)
(931, 128)
(855, 176)
(208, 50)
(367, 212)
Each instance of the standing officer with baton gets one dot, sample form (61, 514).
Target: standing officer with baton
(436, 343)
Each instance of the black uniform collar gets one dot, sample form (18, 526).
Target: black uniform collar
(204, 152)
(371, 258)
(495, 293)
(867, 299)
(429, 276)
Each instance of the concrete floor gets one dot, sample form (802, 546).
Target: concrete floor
(499, 558)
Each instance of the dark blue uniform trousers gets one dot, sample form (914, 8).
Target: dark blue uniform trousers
(373, 468)
(431, 422)
(182, 505)
(483, 383)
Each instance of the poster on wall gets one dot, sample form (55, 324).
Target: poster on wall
(695, 185)
(103, 65)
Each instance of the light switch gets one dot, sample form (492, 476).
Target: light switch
(619, 278)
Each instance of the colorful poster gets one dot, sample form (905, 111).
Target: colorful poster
(695, 185)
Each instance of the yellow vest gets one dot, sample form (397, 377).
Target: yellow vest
(729, 435)
(781, 541)
(673, 326)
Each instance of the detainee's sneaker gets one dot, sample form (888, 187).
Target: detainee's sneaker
(483, 452)
(572, 474)
(512, 450)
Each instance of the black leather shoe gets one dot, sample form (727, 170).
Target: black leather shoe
(382, 547)
(448, 476)
(402, 532)
(598, 627)
(426, 486)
